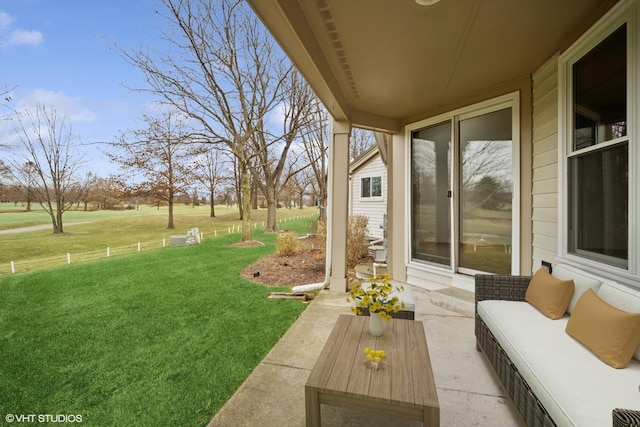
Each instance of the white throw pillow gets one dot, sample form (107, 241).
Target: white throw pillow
(581, 281)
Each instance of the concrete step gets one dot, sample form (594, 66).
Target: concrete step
(365, 271)
(455, 299)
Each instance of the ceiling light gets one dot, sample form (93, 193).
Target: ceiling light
(427, 2)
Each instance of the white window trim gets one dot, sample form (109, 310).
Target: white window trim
(626, 11)
(511, 100)
(372, 198)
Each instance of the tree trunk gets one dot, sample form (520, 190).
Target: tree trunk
(246, 203)
(54, 224)
(272, 209)
(237, 177)
(254, 194)
(57, 222)
(212, 212)
(170, 226)
(323, 206)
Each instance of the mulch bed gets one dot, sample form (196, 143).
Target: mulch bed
(306, 266)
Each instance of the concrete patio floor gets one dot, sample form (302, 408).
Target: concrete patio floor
(273, 395)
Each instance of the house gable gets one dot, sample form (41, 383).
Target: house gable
(364, 170)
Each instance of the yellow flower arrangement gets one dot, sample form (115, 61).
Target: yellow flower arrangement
(374, 355)
(376, 297)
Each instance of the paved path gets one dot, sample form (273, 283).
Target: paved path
(38, 227)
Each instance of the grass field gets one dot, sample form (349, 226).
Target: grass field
(120, 231)
(163, 337)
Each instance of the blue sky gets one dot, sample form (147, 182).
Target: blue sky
(60, 53)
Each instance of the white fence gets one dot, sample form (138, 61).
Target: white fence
(38, 264)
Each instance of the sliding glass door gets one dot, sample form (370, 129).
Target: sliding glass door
(431, 205)
(486, 183)
(462, 193)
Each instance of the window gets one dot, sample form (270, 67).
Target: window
(371, 187)
(599, 75)
(598, 163)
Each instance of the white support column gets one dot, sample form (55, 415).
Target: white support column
(338, 204)
(397, 173)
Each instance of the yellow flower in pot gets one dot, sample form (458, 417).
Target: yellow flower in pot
(375, 295)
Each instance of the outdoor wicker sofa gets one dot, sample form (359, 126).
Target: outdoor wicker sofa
(524, 398)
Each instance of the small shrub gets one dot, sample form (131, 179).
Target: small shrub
(286, 243)
(321, 229)
(357, 245)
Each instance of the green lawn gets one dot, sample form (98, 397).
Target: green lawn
(159, 338)
(120, 231)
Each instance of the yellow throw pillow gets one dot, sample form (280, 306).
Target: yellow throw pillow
(612, 334)
(548, 294)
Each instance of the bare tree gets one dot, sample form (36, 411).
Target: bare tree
(52, 159)
(107, 192)
(272, 146)
(484, 183)
(301, 183)
(5, 174)
(209, 170)
(87, 190)
(5, 94)
(224, 73)
(160, 154)
(5, 100)
(315, 145)
(26, 176)
(297, 187)
(361, 141)
(483, 158)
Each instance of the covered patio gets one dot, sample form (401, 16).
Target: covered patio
(273, 395)
(415, 71)
(400, 67)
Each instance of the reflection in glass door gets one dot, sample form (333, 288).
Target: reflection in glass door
(430, 199)
(486, 183)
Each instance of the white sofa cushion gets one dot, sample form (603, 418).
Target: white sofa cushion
(581, 280)
(575, 387)
(623, 298)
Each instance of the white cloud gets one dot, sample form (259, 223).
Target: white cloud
(17, 36)
(275, 118)
(68, 108)
(71, 108)
(24, 37)
(5, 20)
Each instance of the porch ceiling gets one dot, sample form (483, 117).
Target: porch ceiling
(383, 63)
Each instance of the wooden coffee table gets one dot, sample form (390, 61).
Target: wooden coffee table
(402, 386)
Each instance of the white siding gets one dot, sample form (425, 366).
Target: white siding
(375, 207)
(545, 163)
